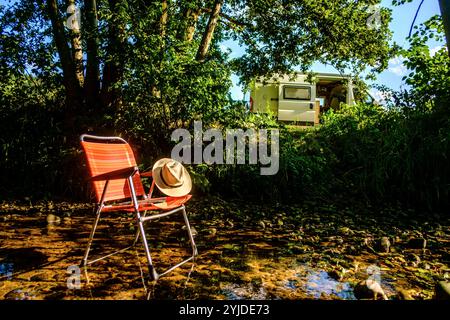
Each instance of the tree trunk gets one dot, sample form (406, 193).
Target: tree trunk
(92, 81)
(74, 25)
(114, 66)
(163, 19)
(208, 34)
(445, 13)
(190, 18)
(70, 81)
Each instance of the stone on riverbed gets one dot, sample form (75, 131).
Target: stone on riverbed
(442, 290)
(369, 289)
(403, 294)
(385, 244)
(417, 243)
(52, 219)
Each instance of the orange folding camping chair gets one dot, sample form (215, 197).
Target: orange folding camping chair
(117, 185)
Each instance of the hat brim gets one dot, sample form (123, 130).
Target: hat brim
(179, 191)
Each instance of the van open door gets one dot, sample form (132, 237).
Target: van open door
(296, 102)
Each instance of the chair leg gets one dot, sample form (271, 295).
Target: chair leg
(189, 231)
(136, 238)
(91, 237)
(153, 274)
(140, 221)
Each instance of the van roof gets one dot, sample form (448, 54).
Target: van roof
(322, 75)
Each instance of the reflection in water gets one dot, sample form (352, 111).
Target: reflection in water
(6, 270)
(301, 281)
(319, 282)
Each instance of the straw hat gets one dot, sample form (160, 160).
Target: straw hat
(171, 177)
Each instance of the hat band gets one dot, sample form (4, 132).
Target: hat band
(167, 184)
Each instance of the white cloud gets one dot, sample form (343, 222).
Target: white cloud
(396, 60)
(399, 70)
(396, 66)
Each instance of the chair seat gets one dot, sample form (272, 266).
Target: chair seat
(165, 203)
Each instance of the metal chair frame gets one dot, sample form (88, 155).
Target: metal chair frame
(141, 219)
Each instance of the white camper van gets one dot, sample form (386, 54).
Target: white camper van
(296, 99)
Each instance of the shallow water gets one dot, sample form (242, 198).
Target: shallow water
(319, 283)
(235, 262)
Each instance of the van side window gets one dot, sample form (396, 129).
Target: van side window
(297, 93)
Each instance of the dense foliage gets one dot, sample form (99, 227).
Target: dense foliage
(142, 69)
(396, 152)
(364, 152)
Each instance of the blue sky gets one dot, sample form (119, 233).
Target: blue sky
(402, 17)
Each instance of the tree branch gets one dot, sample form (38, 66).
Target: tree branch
(228, 18)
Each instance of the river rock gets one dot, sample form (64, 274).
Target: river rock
(417, 243)
(442, 290)
(52, 219)
(40, 277)
(334, 274)
(193, 231)
(414, 259)
(369, 289)
(17, 294)
(403, 294)
(385, 244)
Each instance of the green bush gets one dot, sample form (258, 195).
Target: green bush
(304, 164)
(362, 151)
(391, 154)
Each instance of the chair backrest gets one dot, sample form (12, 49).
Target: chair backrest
(106, 154)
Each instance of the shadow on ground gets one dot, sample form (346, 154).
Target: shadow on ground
(246, 252)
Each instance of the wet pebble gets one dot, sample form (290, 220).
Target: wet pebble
(425, 265)
(385, 244)
(52, 219)
(230, 223)
(335, 274)
(17, 294)
(403, 294)
(442, 290)
(40, 277)
(369, 289)
(193, 230)
(417, 243)
(414, 259)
